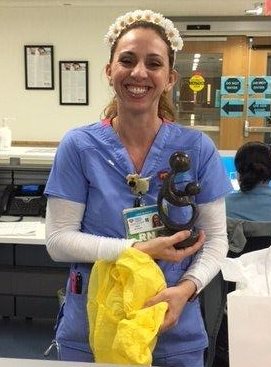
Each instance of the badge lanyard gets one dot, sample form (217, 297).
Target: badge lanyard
(141, 222)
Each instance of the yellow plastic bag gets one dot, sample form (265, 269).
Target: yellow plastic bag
(122, 331)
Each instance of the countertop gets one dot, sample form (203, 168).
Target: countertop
(27, 155)
(37, 238)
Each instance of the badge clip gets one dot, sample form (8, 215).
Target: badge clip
(138, 185)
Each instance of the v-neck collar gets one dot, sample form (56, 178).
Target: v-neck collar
(122, 156)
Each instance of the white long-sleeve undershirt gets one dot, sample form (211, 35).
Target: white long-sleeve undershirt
(207, 262)
(65, 242)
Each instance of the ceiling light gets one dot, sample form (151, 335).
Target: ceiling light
(258, 9)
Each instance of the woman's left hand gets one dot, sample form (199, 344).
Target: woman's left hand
(176, 297)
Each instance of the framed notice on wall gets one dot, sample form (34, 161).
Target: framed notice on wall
(39, 66)
(73, 82)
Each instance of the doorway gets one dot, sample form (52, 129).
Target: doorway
(206, 65)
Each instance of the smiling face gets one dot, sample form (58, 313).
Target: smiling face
(140, 71)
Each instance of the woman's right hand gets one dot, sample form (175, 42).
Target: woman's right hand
(162, 248)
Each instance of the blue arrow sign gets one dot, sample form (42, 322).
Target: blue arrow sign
(259, 107)
(232, 107)
(232, 84)
(259, 84)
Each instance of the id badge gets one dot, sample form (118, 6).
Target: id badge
(142, 223)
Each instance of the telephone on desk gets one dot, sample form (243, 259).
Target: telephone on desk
(23, 200)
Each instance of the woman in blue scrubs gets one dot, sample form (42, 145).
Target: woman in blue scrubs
(88, 191)
(253, 165)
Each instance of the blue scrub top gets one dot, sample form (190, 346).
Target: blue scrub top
(252, 205)
(90, 167)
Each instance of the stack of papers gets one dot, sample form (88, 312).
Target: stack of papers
(18, 228)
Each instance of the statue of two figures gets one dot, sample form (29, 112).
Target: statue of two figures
(173, 196)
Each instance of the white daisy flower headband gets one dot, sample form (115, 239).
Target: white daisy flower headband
(149, 16)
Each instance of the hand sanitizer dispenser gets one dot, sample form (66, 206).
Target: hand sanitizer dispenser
(5, 136)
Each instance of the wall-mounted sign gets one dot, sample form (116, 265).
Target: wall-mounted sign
(259, 107)
(39, 67)
(232, 107)
(232, 84)
(259, 84)
(196, 82)
(73, 82)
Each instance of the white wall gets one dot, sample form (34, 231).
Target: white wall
(75, 33)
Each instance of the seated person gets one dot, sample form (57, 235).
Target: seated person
(253, 200)
(251, 203)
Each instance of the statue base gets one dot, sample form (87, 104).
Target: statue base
(186, 243)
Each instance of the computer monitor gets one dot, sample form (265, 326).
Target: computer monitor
(227, 158)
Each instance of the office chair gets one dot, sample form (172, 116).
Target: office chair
(244, 236)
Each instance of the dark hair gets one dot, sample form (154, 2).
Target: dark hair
(156, 220)
(166, 109)
(253, 163)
